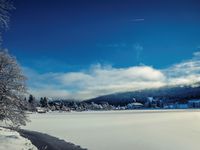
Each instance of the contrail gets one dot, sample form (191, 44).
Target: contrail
(137, 20)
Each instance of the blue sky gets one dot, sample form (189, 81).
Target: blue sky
(82, 36)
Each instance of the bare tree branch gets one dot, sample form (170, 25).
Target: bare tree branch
(5, 7)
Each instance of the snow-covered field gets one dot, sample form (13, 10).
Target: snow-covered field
(127, 130)
(11, 140)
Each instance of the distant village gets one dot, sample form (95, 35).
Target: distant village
(45, 104)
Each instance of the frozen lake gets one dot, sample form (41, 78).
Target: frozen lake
(123, 130)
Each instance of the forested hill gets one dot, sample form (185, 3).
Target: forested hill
(167, 94)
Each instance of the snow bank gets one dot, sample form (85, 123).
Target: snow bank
(11, 140)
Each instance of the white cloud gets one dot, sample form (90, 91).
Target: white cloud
(50, 92)
(196, 54)
(100, 80)
(186, 72)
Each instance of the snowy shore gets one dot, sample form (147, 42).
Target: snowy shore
(31, 140)
(117, 130)
(11, 140)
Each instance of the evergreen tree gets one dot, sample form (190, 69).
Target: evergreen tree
(32, 103)
(43, 102)
(31, 99)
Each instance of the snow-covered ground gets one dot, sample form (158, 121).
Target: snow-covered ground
(11, 140)
(128, 130)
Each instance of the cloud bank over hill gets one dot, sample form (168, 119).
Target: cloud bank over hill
(100, 80)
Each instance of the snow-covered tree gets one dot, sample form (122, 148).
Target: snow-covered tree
(5, 7)
(12, 90)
